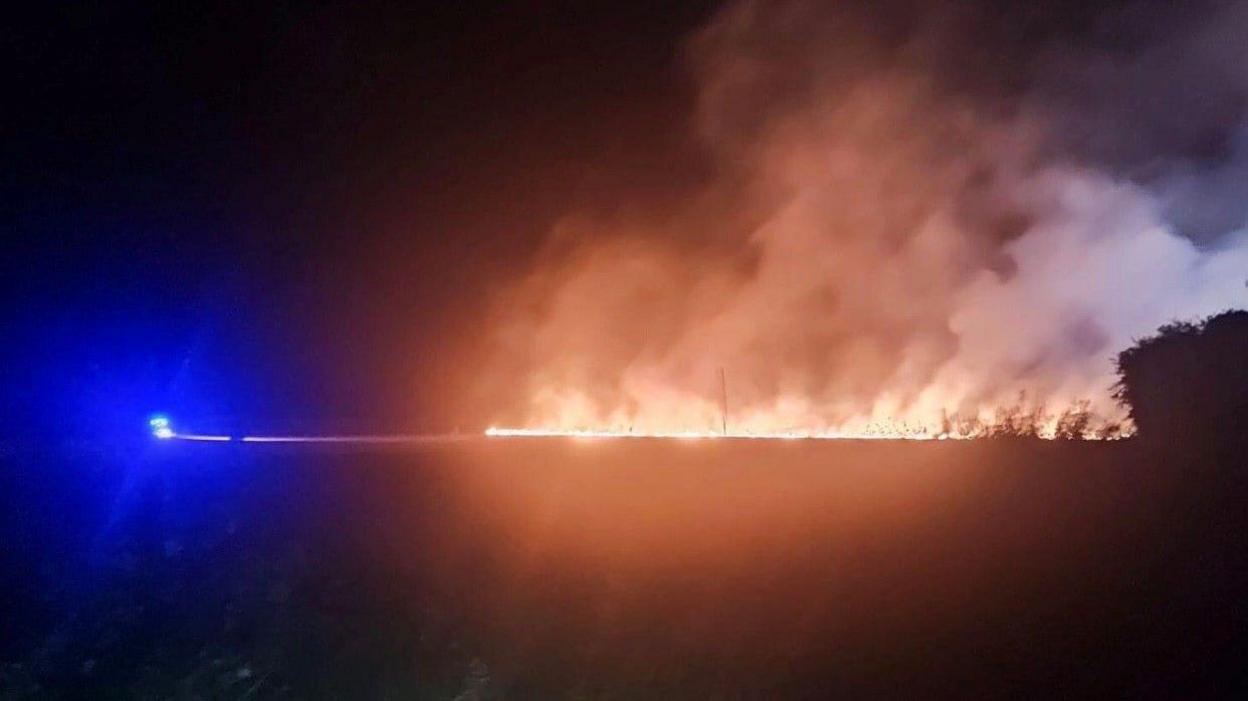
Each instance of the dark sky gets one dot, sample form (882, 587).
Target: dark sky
(290, 215)
(293, 216)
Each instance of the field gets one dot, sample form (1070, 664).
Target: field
(525, 568)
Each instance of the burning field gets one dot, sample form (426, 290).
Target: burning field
(776, 349)
(909, 225)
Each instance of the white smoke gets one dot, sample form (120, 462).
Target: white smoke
(877, 248)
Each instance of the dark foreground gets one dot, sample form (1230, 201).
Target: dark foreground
(529, 569)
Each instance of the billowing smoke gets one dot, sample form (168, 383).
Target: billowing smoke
(916, 218)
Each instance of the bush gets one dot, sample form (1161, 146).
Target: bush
(1190, 380)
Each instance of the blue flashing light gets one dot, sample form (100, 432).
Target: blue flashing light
(159, 424)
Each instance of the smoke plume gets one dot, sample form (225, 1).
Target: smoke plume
(915, 218)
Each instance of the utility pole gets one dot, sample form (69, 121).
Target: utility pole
(723, 396)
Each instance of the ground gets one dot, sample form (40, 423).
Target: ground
(627, 569)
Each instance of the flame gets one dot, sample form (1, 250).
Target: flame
(890, 433)
(668, 413)
(867, 255)
(710, 435)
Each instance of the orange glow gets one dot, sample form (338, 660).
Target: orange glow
(700, 435)
(868, 257)
(880, 433)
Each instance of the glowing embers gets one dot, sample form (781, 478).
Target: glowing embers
(874, 432)
(890, 435)
(162, 429)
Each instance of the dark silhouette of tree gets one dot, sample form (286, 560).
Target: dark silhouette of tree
(1189, 381)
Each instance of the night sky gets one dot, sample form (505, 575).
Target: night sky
(290, 215)
(299, 217)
